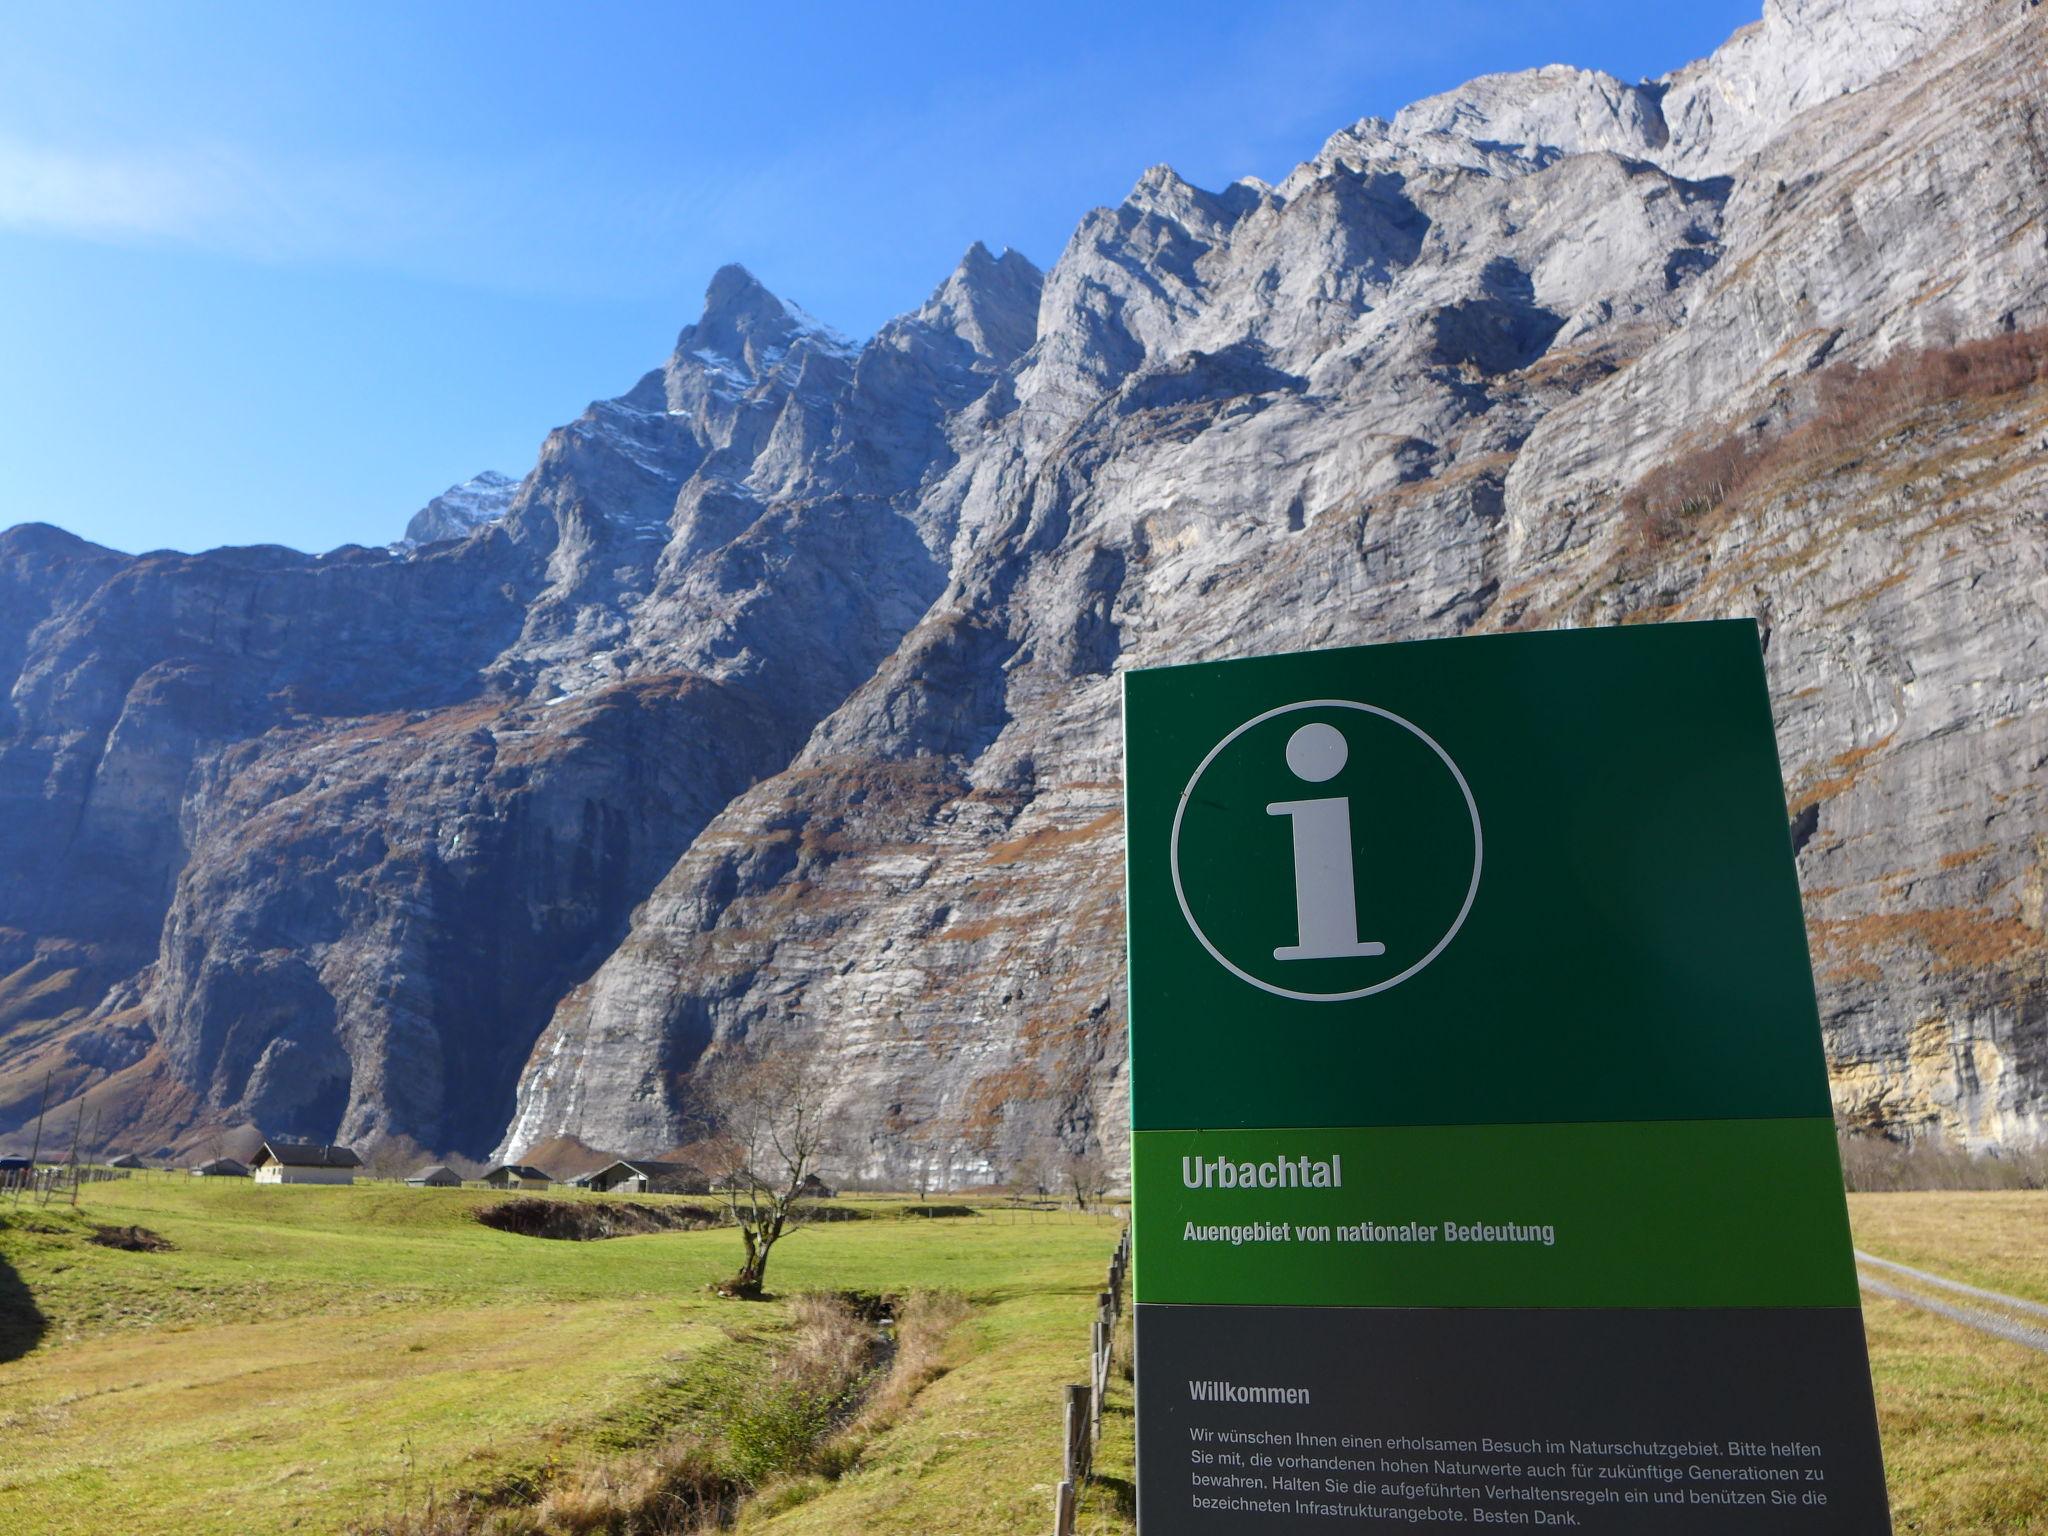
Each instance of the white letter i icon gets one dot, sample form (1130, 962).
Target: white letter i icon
(1325, 896)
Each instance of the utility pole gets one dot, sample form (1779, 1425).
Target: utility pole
(36, 1150)
(91, 1141)
(77, 1124)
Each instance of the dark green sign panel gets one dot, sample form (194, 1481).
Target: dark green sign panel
(1478, 1098)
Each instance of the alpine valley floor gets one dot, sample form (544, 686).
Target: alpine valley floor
(310, 1359)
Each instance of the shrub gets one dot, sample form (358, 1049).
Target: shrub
(1828, 413)
(776, 1422)
(1873, 1163)
(590, 1220)
(680, 1488)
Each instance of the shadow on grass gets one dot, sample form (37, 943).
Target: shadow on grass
(21, 1322)
(1123, 1491)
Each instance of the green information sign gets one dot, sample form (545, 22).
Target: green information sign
(1483, 1163)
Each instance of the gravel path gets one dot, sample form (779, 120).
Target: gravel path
(2010, 1303)
(2008, 1328)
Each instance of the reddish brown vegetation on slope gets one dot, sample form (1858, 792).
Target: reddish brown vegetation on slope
(1833, 410)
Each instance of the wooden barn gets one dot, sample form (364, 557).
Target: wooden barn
(440, 1176)
(517, 1176)
(221, 1168)
(303, 1162)
(639, 1176)
(128, 1161)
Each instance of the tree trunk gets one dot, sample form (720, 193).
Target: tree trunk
(747, 1283)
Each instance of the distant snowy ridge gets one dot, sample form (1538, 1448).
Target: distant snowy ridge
(461, 509)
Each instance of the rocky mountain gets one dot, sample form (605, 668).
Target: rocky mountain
(779, 700)
(462, 509)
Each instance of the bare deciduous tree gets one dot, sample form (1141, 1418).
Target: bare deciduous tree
(394, 1157)
(463, 1166)
(1086, 1174)
(1031, 1173)
(769, 1128)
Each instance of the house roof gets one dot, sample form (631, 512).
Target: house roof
(433, 1173)
(222, 1165)
(306, 1154)
(653, 1169)
(519, 1171)
(127, 1160)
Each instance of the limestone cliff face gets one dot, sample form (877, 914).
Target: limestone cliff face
(780, 699)
(318, 842)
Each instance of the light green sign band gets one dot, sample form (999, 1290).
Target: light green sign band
(1705, 1213)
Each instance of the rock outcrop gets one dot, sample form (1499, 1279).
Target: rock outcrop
(779, 700)
(462, 509)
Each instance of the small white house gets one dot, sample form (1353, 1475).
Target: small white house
(302, 1162)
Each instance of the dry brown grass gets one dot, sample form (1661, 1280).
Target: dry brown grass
(1049, 840)
(678, 1490)
(924, 1324)
(1827, 415)
(802, 1416)
(792, 1412)
(1954, 938)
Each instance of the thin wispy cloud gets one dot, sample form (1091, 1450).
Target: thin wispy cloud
(234, 201)
(54, 190)
(556, 221)
(581, 216)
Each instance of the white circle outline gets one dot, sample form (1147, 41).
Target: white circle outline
(1471, 891)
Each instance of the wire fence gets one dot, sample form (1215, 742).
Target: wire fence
(1082, 1401)
(46, 1179)
(50, 1181)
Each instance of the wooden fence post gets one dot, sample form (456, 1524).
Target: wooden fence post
(1063, 1510)
(1099, 1378)
(1084, 1404)
(1079, 1442)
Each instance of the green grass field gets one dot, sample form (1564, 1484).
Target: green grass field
(1964, 1416)
(305, 1358)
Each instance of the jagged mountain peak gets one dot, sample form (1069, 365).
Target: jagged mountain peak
(1698, 121)
(745, 326)
(734, 293)
(980, 268)
(990, 302)
(1164, 191)
(1725, 107)
(1554, 109)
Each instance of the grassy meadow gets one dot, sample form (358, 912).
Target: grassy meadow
(1964, 1416)
(308, 1360)
(304, 1358)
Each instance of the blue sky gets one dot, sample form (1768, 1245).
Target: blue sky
(279, 273)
